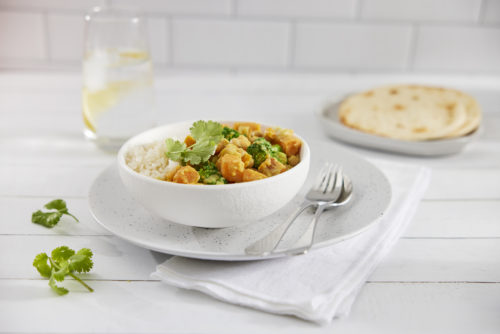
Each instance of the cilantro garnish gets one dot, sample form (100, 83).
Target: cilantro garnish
(207, 135)
(51, 218)
(64, 262)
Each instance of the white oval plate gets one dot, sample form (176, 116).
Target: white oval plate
(119, 213)
(329, 116)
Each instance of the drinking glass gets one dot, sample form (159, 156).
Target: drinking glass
(117, 77)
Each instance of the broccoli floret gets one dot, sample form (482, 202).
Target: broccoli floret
(209, 174)
(276, 148)
(264, 143)
(260, 149)
(229, 133)
(280, 156)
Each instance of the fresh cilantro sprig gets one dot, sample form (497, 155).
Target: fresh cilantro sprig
(64, 262)
(51, 218)
(207, 135)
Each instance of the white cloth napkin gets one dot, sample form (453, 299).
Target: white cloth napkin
(318, 286)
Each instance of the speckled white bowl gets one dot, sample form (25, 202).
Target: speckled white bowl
(211, 206)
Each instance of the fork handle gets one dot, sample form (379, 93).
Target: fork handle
(268, 243)
(307, 239)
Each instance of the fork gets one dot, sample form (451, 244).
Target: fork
(327, 189)
(307, 240)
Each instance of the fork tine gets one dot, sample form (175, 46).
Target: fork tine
(326, 179)
(322, 177)
(332, 179)
(339, 183)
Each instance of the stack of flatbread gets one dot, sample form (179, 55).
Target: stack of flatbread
(412, 112)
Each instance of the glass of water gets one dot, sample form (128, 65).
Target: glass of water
(117, 77)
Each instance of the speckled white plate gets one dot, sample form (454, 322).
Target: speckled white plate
(119, 213)
(329, 116)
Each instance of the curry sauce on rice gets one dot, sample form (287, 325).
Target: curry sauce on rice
(215, 154)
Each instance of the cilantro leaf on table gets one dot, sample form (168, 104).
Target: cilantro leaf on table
(58, 289)
(40, 263)
(47, 219)
(51, 218)
(81, 262)
(64, 262)
(207, 135)
(57, 204)
(62, 253)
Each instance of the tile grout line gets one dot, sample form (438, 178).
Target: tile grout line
(274, 18)
(481, 13)
(333, 19)
(48, 55)
(292, 40)
(412, 52)
(170, 41)
(256, 68)
(358, 6)
(233, 8)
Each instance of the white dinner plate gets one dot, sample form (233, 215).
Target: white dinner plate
(123, 216)
(329, 116)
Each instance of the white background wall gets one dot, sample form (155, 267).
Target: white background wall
(271, 35)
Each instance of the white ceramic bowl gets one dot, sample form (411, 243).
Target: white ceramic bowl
(209, 205)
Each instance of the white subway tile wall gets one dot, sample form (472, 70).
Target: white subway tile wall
(65, 5)
(352, 46)
(466, 48)
(297, 8)
(422, 10)
(159, 40)
(65, 45)
(193, 7)
(276, 35)
(22, 36)
(491, 11)
(229, 43)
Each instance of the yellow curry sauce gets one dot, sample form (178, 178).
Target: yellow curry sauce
(246, 153)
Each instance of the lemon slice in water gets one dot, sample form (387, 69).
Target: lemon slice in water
(101, 99)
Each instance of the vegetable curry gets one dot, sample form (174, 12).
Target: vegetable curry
(219, 154)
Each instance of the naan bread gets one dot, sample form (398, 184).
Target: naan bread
(411, 112)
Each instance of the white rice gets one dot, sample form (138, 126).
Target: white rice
(150, 160)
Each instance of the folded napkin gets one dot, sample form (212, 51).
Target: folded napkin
(320, 285)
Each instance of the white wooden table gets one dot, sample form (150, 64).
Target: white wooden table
(442, 277)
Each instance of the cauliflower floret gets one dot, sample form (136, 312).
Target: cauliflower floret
(271, 166)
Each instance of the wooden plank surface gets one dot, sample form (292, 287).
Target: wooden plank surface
(456, 219)
(412, 260)
(442, 277)
(114, 259)
(15, 215)
(149, 307)
(434, 218)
